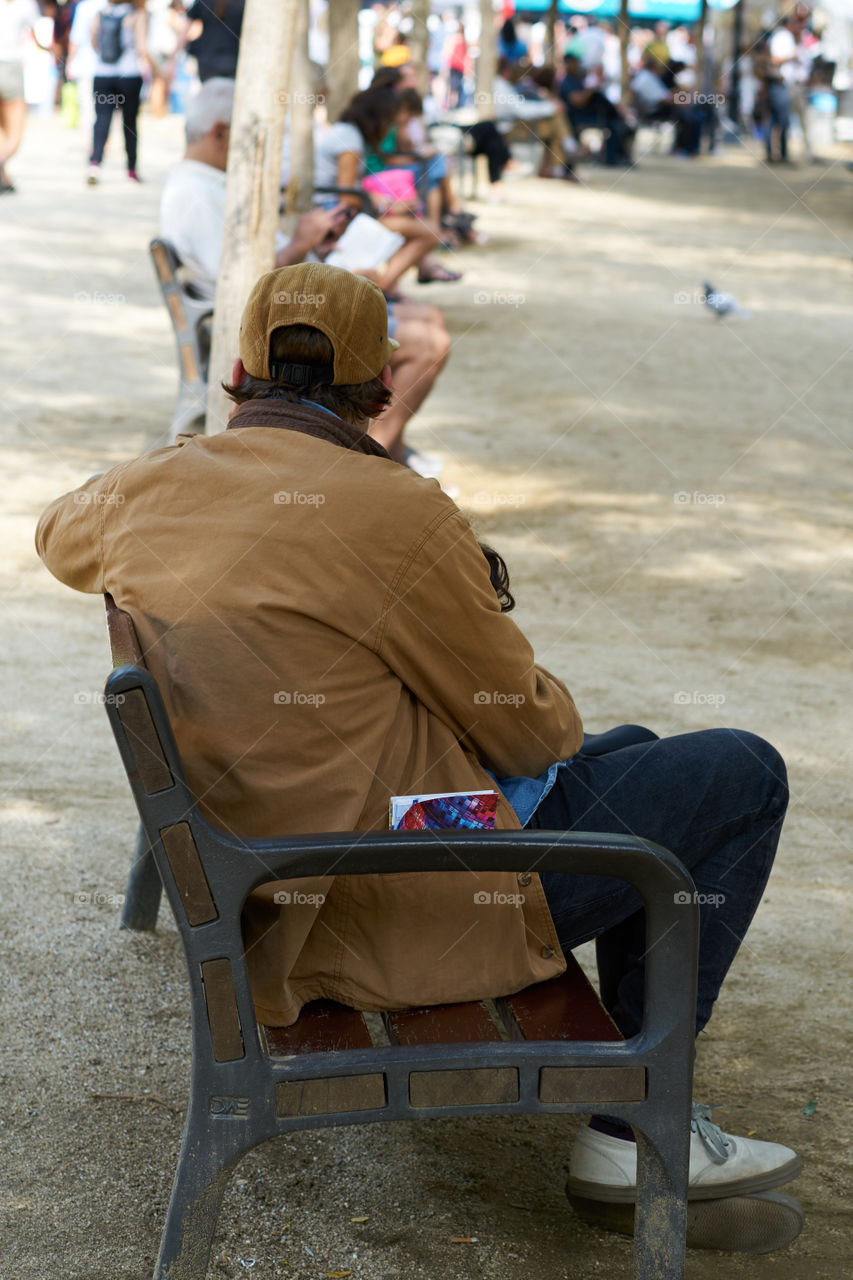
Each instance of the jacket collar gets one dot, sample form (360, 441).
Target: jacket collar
(308, 420)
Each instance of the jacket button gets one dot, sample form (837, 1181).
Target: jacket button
(525, 878)
(547, 952)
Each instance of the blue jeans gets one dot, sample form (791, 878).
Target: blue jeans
(779, 104)
(716, 799)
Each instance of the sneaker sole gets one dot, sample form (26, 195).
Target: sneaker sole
(737, 1224)
(757, 1182)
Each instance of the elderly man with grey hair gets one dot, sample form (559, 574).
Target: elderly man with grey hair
(192, 220)
(192, 207)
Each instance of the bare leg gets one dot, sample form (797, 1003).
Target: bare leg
(423, 352)
(408, 255)
(13, 114)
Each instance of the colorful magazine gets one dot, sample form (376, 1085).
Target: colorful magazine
(471, 810)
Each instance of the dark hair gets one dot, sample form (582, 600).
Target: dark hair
(543, 77)
(508, 33)
(386, 78)
(303, 344)
(372, 112)
(499, 575)
(411, 100)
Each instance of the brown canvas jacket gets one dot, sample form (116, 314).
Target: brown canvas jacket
(320, 623)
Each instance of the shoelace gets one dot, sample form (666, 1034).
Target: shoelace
(710, 1133)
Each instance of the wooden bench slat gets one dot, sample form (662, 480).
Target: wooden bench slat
(222, 1013)
(441, 1024)
(189, 873)
(323, 1025)
(467, 1087)
(124, 643)
(329, 1094)
(566, 1008)
(148, 756)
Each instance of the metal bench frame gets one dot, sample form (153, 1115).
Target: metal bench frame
(186, 314)
(241, 1095)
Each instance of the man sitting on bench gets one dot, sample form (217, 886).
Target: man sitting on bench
(327, 633)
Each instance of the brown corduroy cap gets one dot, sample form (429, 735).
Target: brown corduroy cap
(349, 309)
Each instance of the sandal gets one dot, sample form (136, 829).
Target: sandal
(437, 274)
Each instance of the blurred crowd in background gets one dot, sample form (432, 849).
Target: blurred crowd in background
(560, 81)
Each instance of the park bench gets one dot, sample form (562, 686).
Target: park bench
(550, 1049)
(190, 318)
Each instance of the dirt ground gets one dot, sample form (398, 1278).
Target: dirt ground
(673, 497)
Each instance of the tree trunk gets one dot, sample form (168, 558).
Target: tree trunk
(551, 35)
(486, 62)
(699, 87)
(302, 101)
(624, 34)
(342, 71)
(254, 173)
(419, 41)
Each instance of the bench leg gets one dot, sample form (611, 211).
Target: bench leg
(206, 1162)
(660, 1219)
(144, 888)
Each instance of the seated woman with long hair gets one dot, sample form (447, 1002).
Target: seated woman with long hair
(339, 160)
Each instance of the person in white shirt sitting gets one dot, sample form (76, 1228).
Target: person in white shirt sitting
(192, 220)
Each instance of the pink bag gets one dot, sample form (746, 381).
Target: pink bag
(392, 186)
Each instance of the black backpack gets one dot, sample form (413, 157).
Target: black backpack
(109, 36)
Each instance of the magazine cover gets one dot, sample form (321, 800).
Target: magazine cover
(473, 810)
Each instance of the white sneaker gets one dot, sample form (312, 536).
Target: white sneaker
(605, 1168)
(93, 175)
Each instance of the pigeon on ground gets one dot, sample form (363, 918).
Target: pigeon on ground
(722, 304)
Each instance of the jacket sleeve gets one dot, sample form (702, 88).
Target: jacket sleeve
(443, 634)
(70, 533)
